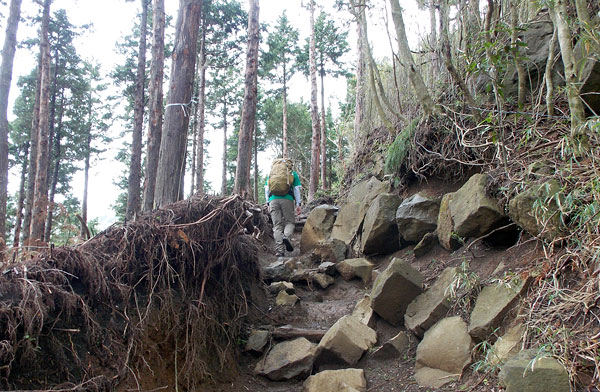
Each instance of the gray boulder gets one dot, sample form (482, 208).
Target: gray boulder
(355, 268)
(380, 233)
(523, 373)
(332, 250)
(276, 287)
(417, 216)
(288, 360)
(396, 347)
(394, 289)
(352, 213)
(327, 267)
(318, 227)
(346, 341)
(285, 299)
(491, 306)
(257, 341)
(364, 312)
(431, 306)
(323, 280)
(279, 270)
(443, 353)
(346, 380)
(426, 244)
(507, 346)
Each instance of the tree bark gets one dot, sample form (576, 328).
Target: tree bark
(285, 125)
(323, 137)
(314, 110)
(21, 198)
(548, 74)
(40, 201)
(135, 166)
(86, 171)
(242, 181)
(8, 55)
(360, 83)
(155, 93)
(174, 136)
(52, 193)
(408, 62)
(224, 158)
(514, 38)
(200, 113)
(255, 163)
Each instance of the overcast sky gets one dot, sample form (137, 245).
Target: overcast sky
(113, 19)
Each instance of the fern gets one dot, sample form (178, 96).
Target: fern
(399, 149)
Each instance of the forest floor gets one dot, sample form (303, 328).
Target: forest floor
(320, 309)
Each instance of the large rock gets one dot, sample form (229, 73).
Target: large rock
(287, 360)
(380, 233)
(523, 373)
(346, 341)
(279, 270)
(285, 299)
(337, 381)
(426, 244)
(323, 280)
(431, 306)
(364, 312)
(507, 346)
(589, 74)
(443, 353)
(394, 289)
(355, 268)
(331, 251)
(491, 306)
(393, 348)
(353, 212)
(257, 341)
(417, 216)
(523, 212)
(468, 212)
(318, 227)
(276, 287)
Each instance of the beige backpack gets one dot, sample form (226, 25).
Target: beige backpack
(281, 178)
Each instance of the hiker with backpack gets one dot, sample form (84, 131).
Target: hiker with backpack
(282, 191)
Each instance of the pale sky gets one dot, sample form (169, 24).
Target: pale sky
(113, 19)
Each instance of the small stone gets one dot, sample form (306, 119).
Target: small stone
(346, 341)
(426, 244)
(346, 380)
(351, 268)
(257, 341)
(393, 348)
(327, 267)
(364, 312)
(288, 360)
(322, 280)
(285, 299)
(276, 287)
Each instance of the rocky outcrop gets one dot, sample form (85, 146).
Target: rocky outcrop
(468, 212)
(523, 212)
(257, 341)
(396, 347)
(352, 213)
(491, 306)
(288, 360)
(431, 306)
(332, 251)
(355, 268)
(523, 373)
(394, 289)
(285, 299)
(417, 216)
(346, 341)
(318, 227)
(347, 380)
(443, 353)
(380, 233)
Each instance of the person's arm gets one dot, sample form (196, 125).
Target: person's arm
(297, 195)
(267, 193)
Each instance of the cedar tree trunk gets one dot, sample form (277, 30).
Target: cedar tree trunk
(314, 110)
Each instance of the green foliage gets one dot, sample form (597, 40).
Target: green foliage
(399, 149)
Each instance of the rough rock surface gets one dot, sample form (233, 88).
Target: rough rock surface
(431, 306)
(346, 341)
(285, 299)
(337, 381)
(491, 306)
(323, 280)
(443, 353)
(318, 227)
(257, 341)
(380, 232)
(396, 347)
(417, 216)
(279, 270)
(327, 268)
(287, 360)
(507, 346)
(364, 312)
(355, 268)
(426, 244)
(394, 289)
(353, 212)
(546, 375)
(332, 251)
(276, 287)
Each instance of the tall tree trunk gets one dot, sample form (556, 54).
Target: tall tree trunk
(323, 138)
(285, 114)
(174, 136)
(40, 201)
(255, 162)
(360, 83)
(559, 17)
(433, 41)
(86, 171)
(135, 166)
(514, 38)
(200, 113)
(155, 93)
(242, 185)
(224, 158)
(548, 74)
(408, 62)
(21, 197)
(55, 150)
(49, 216)
(314, 110)
(33, 148)
(8, 55)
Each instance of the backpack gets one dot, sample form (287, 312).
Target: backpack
(281, 177)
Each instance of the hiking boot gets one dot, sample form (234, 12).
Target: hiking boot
(288, 244)
(280, 254)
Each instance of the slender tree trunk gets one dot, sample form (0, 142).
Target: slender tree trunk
(40, 202)
(8, 55)
(155, 93)
(200, 113)
(583, 14)
(135, 166)
(21, 197)
(514, 38)
(360, 83)
(433, 41)
(174, 136)
(86, 170)
(548, 74)
(224, 159)
(242, 184)
(408, 62)
(285, 120)
(323, 135)
(33, 148)
(55, 149)
(314, 110)
(57, 156)
(255, 163)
